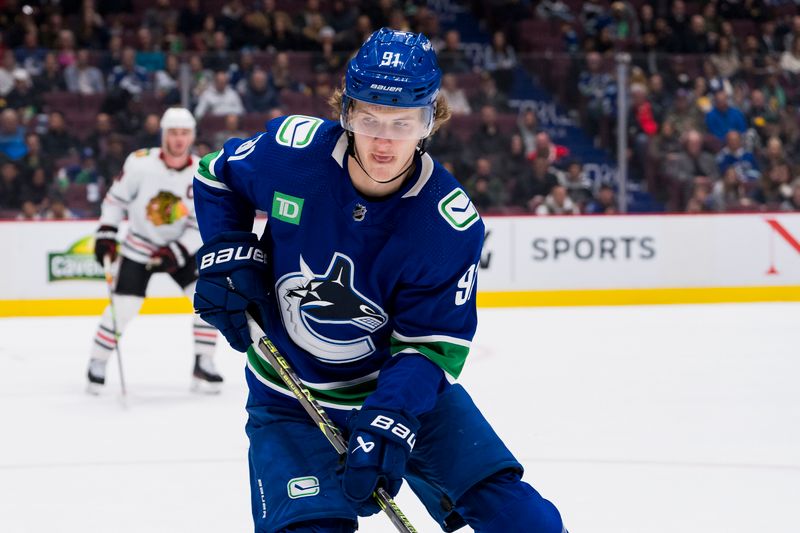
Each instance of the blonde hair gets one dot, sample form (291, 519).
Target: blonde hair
(441, 115)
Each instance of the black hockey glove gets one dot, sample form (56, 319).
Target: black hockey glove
(232, 279)
(169, 258)
(105, 243)
(379, 446)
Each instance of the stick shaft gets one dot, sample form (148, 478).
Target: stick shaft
(110, 285)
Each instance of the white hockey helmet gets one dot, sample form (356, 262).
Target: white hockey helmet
(178, 118)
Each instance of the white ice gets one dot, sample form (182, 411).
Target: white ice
(673, 419)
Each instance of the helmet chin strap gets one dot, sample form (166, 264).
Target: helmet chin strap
(351, 150)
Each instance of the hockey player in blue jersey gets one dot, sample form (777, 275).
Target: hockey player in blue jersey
(364, 278)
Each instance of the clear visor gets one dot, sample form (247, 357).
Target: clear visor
(386, 122)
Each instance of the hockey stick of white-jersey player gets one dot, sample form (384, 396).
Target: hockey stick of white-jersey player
(320, 417)
(110, 285)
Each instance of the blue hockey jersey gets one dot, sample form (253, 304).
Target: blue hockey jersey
(358, 282)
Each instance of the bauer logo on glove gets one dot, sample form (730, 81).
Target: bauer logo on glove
(227, 254)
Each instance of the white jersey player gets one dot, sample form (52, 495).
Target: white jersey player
(154, 190)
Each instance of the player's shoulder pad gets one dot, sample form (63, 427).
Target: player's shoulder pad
(301, 132)
(453, 204)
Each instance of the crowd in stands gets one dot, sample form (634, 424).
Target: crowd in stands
(713, 93)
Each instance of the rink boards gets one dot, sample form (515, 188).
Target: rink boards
(49, 268)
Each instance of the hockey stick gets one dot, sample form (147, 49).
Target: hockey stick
(320, 417)
(110, 285)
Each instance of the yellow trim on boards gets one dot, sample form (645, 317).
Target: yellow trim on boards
(562, 298)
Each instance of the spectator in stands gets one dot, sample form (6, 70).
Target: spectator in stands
(790, 62)
(220, 56)
(92, 32)
(149, 55)
(7, 68)
(201, 78)
(157, 17)
(684, 115)
(327, 58)
(733, 154)
(219, 99)
(456, 97)
(28, 211)
(557, 202)
(577, 184)
(342, 15)
(604, 203)
(512, 163)
(12, 135)
(659, 98)
(536, 184)
(452, 57)
(774, 187)
(10, 186)
(150, 135)
(545, 147)
(598, 90)
(446, 147)
(554, 10)
(30, 55)
(488, 94)
(754, 63)
(351, 38)
(259, 96)
(128, 75)
(661, 150)
(66, 48)
(528, 128)
(700, 199)
(22, 97)
(36, 189)
(58, 209)
(281, 77)
(165, 82)
(231, 129)
(774, 93)
(726, 59)
(793, 35)
(35, 157)
(623, 24)
(500, 60)
(284, 34)
(729, 193)
(761, 117)
(191, 17)
(773, 153)
(722, 118)
(112, 56)
(487, 139)
(793, 202)
(692, 164)
(110, 162)
(57, 140)
(82, 77)
(485, 188)
(594, 16)
(100, 136)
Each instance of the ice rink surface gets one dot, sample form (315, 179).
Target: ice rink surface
(671, 419)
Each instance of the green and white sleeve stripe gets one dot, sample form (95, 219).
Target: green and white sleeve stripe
(205, 171)
(449, 353)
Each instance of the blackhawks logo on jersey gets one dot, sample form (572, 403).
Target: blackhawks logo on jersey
(326, 315)
(165, 208)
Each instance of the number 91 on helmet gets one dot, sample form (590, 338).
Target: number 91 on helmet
(391, 87)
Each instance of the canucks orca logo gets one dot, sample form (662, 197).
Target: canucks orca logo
(326, 315)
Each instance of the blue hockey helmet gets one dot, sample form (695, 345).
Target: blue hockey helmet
(394, 69)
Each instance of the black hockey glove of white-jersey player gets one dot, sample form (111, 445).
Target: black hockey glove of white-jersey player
(105, 243)
(169, 258)
(232, 274)
(378, 449)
